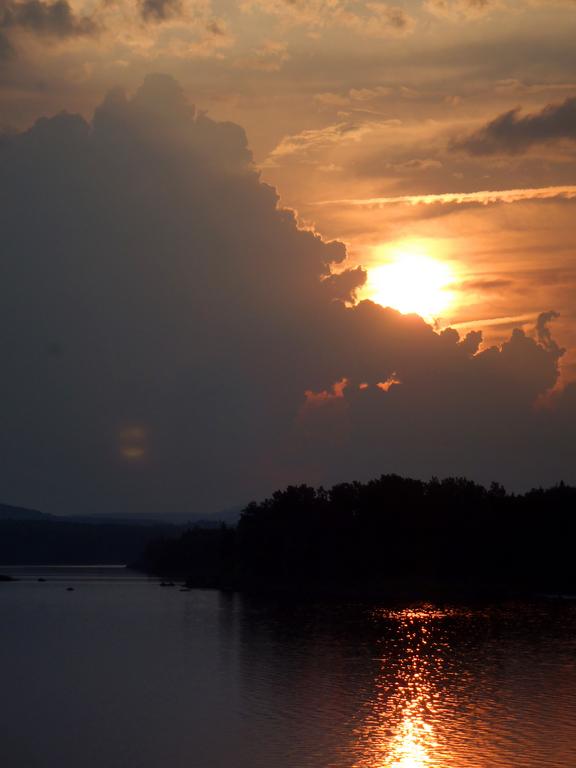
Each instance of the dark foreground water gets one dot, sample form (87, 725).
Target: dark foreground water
(121, 673)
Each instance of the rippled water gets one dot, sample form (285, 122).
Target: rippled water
(121, 672)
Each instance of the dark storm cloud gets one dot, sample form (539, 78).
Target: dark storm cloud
(511, 133)
(159, 10)
(182, 301)
(454, 410)
(162, 319)
(50, 19)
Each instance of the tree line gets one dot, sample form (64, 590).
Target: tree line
(386, 535)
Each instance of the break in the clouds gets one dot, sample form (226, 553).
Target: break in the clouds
(173, 339)
(512, 132)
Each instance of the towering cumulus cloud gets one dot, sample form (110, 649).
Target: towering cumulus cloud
(172, 340)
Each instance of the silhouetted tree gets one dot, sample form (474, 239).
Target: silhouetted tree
(450, 533)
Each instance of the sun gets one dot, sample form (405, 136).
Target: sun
(412, 281)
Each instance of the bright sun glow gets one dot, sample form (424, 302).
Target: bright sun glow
(412, 281)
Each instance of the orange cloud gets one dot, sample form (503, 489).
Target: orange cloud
(484, 197)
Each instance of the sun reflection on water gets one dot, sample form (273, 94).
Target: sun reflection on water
(411, 745)
(400, 731)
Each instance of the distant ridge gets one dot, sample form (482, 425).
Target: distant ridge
(8, 512)
(183, 520)
(28, 536)
(23, 514)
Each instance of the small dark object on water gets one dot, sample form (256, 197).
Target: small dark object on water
(167, 584)
(184, 589)
(4, 577)
(41, 579)
(69, 589)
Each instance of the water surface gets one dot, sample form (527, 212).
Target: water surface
(123, 673)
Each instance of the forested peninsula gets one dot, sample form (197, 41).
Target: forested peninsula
(390, 536)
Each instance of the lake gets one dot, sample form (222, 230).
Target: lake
(123, 673)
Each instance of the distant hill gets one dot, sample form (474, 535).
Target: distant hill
(8, 512)
(30, 537)
(182, 519)
(45, 542)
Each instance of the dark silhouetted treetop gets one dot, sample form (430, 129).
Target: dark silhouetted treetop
(369, 537)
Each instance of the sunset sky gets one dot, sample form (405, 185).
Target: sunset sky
(172, 335)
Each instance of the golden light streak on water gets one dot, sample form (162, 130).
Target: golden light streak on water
(401, 731)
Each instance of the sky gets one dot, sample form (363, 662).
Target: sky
(216, 220)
